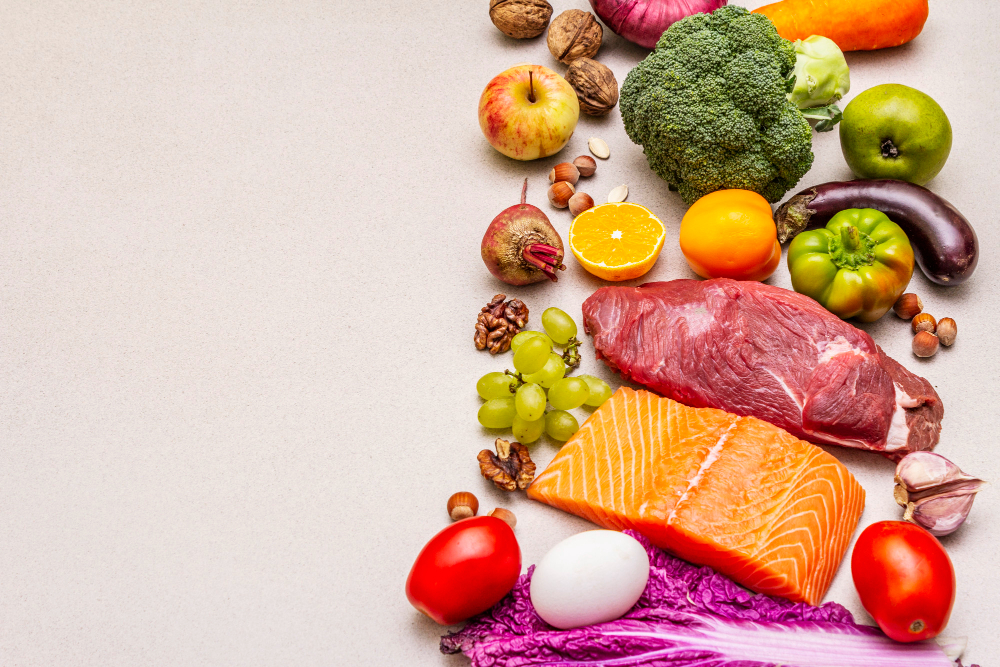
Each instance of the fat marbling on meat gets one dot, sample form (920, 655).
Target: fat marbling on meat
(767, 352)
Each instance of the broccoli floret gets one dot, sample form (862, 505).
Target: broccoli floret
(709, 107)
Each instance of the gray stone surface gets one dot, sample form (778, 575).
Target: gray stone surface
(239, 270)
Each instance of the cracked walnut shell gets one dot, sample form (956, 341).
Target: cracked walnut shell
(574, 34)
(511, 468)
(595, 86)
(520, 19)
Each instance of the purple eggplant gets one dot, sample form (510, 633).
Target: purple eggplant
(944, 243)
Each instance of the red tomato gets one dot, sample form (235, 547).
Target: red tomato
(905, 580)
(465, 569)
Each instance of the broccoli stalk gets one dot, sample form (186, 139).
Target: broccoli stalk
(709, 106)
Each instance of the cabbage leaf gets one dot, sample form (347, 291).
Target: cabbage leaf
(688, 616)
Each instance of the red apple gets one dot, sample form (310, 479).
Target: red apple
(528, 112)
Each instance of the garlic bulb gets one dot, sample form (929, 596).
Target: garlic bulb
(937, 495)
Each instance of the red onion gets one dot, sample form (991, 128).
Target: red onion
(643, 21)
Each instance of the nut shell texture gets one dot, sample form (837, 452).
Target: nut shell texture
(559, 194)
(574, 34)
(586, 165)
(564, 171)
(925, 344)
(923, 322)
(579, 203)
(462, 505)
(595, 86)
(520, 19)
(505, 515)
(947, 329)
(908, 306)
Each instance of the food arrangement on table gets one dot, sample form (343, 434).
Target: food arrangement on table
(721, 522)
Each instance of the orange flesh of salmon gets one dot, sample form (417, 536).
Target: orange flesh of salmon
(770, 511)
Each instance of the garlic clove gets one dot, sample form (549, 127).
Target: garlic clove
(923, 473)
(940, 515)
(936, 493)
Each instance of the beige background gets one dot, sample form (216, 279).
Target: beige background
(239, 271)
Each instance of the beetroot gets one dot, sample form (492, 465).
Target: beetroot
(521, 246)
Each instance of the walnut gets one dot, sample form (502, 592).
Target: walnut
(520, 19)
(510, 468)
(574, 34)
(595, 86)
(498, 322)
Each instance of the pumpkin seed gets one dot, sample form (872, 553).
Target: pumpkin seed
(619, 194)
(599, 148)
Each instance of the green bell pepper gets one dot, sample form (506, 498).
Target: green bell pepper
(857, 266)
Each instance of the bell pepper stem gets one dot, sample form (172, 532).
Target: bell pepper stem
(850, 237)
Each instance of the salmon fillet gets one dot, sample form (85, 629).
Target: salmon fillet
(770, 511)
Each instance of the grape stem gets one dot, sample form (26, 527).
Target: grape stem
(514, 385)
(572, 355)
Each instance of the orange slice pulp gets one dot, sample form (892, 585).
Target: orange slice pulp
(619, 241)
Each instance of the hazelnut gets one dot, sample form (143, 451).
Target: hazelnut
(520, 19)
(580, 202)
(505, 515)
(586, 165)
(462, 505)
(574, 34)
(595, 86)
(564, 171)
(946, 328)
(560, 192)
(925, 344)
(923, 322)
(908, 305)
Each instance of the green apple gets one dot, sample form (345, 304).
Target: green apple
(894, 131)
(528, 112)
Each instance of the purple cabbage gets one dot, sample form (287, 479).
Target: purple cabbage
(688, 616)
(643, 21)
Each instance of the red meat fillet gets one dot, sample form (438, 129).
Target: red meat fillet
(762, 351)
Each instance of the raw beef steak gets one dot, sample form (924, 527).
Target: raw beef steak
(762, 351)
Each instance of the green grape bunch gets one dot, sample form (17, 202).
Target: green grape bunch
(519, 399)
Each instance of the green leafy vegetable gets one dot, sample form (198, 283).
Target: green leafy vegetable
(710, 108)
(821, 77)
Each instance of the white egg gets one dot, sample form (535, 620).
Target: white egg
(591, 577)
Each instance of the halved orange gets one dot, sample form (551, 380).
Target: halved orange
(619, 241)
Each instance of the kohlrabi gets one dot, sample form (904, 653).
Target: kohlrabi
(819, 80)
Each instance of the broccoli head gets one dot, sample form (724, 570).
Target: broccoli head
(709, 107)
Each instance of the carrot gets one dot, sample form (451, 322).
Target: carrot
(855, 25)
